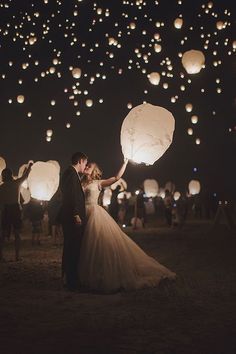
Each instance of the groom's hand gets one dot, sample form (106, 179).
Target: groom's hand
(78, 221)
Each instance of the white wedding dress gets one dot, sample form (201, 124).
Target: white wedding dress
(109, 259)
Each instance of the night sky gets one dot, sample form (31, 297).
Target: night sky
(113, 43)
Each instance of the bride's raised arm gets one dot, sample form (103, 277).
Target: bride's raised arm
(109, 181)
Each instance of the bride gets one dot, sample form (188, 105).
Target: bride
(110, 260)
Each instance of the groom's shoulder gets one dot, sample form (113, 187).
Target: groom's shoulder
(69, 171)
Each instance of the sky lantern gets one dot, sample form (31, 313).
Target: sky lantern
(132, 25)
(190, 131)
(157, 48)
(32, 40)
(49, 132)
(147, 133)
(193, 61)
(178, 23)
(189, 107)
(107, 197)
(219, 25)
(89, 102)
(150, 188)
(194, 187)
(122, 183)
(176, 196)
(154, 78)
(43, 180)
(55, 163)
(194, 119)
(76, 73)
(2, 166)
(20, 98)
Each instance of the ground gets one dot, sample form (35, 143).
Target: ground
(196, 314)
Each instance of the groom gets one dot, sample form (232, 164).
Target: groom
(72, 216)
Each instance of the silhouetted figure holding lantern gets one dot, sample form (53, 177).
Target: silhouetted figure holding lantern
(11, 210)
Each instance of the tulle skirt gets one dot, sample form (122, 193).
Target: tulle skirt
(111, 261)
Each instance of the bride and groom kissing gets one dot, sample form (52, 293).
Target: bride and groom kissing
(97, 254)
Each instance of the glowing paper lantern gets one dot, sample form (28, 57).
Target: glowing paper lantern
(177, 196)
(193, 61)
(2, 166)
(189, 107)
(150, 188)
(107, 197)
(89, 103)
(194, 119)
(194, 187)
(49, 132)
(157, 48)
(122, 183)
(43, 180)
(55, 163)
(76, 73)
(190, 131)
(154, 78)
(146, 133)
(20, 99)
(178, 23)
(219, 25)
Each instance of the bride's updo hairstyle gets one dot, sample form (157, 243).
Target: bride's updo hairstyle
(95, 175)
(97, 172)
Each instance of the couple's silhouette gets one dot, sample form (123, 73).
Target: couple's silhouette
(97, 254)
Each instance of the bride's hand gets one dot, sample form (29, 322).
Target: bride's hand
(126, 161)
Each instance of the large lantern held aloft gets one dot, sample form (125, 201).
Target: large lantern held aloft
(193, 61)
(194, 187)
(150, 188)
(146, 133)
(43, 180)
(2, 166)
(154, 78)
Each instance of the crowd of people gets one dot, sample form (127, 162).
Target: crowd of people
(132, 211)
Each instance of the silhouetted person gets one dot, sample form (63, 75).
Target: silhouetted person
(11, 211)
(53, 208)
(35, 212)
(168, 203)
(141, 212)
(114, 206)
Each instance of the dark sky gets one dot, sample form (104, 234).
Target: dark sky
(122, 80)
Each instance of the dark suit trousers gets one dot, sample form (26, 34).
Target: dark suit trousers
(71, 253)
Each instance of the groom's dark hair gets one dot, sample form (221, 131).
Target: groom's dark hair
(77, 156)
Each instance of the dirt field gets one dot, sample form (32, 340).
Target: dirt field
(196, 314)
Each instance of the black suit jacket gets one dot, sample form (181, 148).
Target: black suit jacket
(73, 201)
